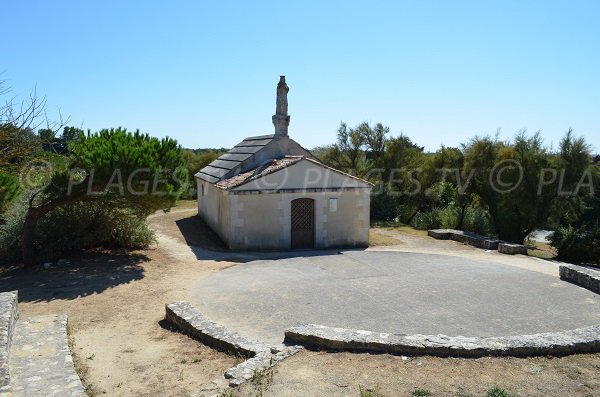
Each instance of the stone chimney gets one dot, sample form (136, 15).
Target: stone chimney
(281, 120)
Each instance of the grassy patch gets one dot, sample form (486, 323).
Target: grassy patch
(421, 393)
(262, 379)
(386, 233)
(403, 229)
(400, 228)
(540, 250)
(368, 392)
(377, 238)
(186, 204)
(498, 392)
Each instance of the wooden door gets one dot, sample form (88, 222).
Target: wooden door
(303, 223)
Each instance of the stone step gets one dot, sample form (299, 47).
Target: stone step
(8, 317)
(40, 359)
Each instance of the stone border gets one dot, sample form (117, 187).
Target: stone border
(192, 323)
(465, 237)
(320, 337)
(260, 356)
(44, 363)
(9, 313)
(512, 249)
(581, 276)
(478, 241)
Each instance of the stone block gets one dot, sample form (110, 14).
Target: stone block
(8, 317)
(512, 249)
(582, 276)
(440, 234)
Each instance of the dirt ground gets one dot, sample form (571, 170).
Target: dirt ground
(115, 302)
(343, 374)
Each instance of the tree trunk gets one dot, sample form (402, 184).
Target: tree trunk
(27, 237)
(34, 214)
(410, 218)
(461, 217)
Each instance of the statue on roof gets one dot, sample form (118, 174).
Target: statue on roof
(282, 102)
(281, 120)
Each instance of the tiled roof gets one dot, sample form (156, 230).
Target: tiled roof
(265, 169)
(218, 169)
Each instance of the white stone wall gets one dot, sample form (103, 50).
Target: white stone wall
(213, 208)
(263, 221)
(254, 217)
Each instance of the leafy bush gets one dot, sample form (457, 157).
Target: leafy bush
(75, 227)
(578, 244)
(427, 220)
(11, 225)
(436, 218)
(477, 220)
(9, 190)
(196, 160)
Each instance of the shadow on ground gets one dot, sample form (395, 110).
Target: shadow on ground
(207, 245)
(198, 234)
(86, 274)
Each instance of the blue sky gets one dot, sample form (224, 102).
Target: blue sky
(205, 72)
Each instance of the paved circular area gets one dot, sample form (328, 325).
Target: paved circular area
(393, 292)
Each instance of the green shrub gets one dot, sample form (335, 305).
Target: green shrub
(498, 392)
(9, 190)
(448, 217)
(11, 224)
(75, 227)
(477, 220)
(577, 244)
(421, 393)
(436, 218)
(427, 220)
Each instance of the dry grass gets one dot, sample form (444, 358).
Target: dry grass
(400, 228)
(409, 230)
(541, 250)
(347, 374)
(378, 238)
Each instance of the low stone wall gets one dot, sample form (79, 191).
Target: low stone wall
(41, 363)
(478, 241)
(440, 234)
(475, 240)
(319, 337)
(263, 360)
(261, 356)
(8, 317)
(191, 322)
(582, 276)
(512, 249)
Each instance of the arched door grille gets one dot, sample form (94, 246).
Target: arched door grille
(303, 223)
